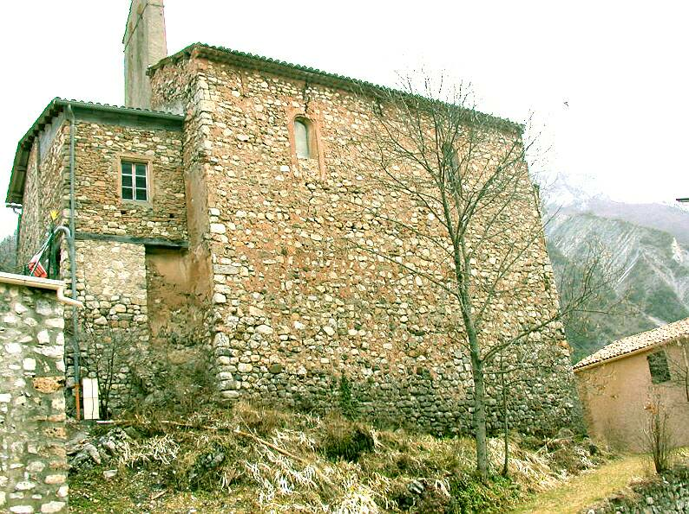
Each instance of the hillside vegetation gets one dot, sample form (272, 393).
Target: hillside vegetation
(260, 460)
(651, 271)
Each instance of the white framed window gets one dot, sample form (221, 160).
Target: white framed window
(134, 181)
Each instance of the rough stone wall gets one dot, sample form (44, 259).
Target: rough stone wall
(111, 275)
(33, 463)
(44, 190)
(100, 208)
(296, 308)
(664, 494)
(179, 88)
(111, 283)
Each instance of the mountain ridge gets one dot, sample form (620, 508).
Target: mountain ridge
(647, 245)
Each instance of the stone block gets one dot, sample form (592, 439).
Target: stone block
(48, 385)
(52, 507)
(55, 479)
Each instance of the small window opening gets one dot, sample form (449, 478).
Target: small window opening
(134, 181)
(302, 138)
(657, 364)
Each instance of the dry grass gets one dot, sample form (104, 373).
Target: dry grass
(588, 488)
(261, 460)
(593, 486)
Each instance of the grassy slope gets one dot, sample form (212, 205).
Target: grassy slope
(594, 486)
(301, 463)
(588, 488)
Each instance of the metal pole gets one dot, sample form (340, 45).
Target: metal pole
(72, 258)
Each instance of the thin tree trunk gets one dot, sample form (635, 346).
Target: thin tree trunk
(479, 408)
(506, 426)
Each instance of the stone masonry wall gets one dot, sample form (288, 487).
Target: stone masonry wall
(111, 275)
(33, 463)
(111, 283)
(44, 192)
(100, 209)
(297, 308)
(177, 90)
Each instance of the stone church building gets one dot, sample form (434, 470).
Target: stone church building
(220, 200)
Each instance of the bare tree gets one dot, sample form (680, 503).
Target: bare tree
(107, 350)
(657, 436)
(522, 369)
(476, 217)
(8, 254)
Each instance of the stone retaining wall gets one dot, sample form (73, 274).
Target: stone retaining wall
(33, 464)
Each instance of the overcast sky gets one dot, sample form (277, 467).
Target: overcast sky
(607, 81)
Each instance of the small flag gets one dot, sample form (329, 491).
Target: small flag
(36, 268)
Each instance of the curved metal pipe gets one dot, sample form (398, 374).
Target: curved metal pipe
(16, 207)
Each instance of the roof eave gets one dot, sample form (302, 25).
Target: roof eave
(15, 191)
(625, 355)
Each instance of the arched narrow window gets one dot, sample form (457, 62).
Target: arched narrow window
(301, 138)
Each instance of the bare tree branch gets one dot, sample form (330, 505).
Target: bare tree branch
(484, 238)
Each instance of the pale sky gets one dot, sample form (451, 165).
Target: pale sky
(607, 81)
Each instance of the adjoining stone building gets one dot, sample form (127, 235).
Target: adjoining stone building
(221, 199)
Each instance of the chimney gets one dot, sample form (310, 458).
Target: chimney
(144, 45)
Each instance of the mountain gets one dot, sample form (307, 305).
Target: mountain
(647, 251)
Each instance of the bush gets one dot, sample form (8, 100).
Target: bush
(344, 439)
(658, 439)
(470, 494)
(259, 420)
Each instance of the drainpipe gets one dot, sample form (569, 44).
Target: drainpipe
(72, 258)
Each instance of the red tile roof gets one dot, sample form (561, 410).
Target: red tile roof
(637, 342)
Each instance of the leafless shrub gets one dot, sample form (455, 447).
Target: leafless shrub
(108, 350)
(679, 367)
(657, 437)
(176, 380)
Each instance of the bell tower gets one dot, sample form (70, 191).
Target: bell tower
(145, 44)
